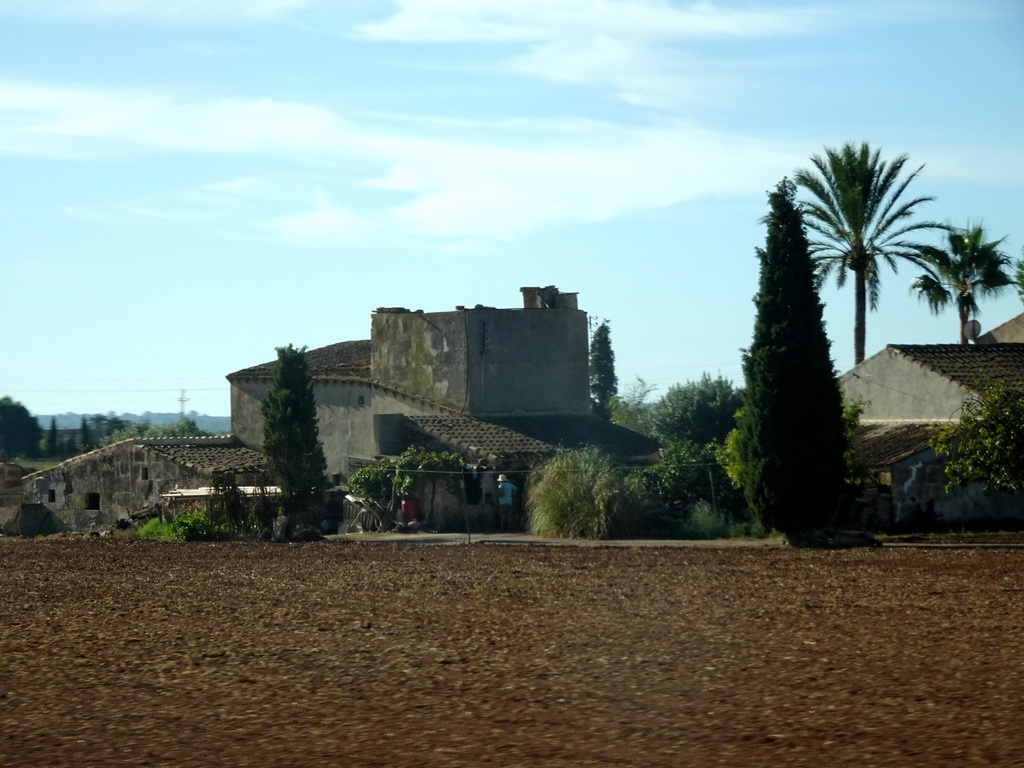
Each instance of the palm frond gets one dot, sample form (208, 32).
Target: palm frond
(968, 269)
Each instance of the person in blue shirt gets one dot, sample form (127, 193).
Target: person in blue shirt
(505, 492)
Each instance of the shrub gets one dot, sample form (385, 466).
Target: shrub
(157, 529)
(580, 494)
(689, 473)
(197, 526)
(700, 520)
(705, 522)
(244, 517)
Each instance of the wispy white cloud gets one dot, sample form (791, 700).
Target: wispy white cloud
(325, 226)
(538, 20)
(987, 165)
(640, 49)
(640, 75)
(470, 186)
(186, 11)
(482, 181)
(127, 119)
(479, 191)
(243, 184)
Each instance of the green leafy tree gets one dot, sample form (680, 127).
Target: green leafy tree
(630, 409)
(701, 411)
(986, 445)
(689, 473)
(859, 219)
(418, 471)
(857, 473)
(291, 443)
(604, 384)
(790, 440)
(20, 432)
(968, 269)
(104, 425)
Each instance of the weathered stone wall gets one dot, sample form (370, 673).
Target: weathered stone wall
(487, 362)
(920, 479)
(529, 361)
(422, 353)
(99, 488)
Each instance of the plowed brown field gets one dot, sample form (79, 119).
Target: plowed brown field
(387, 654)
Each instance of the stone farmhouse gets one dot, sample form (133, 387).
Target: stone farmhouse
(907, 390)
(503, 388)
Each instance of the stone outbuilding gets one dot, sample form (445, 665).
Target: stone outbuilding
(127, 479)
(907, 390)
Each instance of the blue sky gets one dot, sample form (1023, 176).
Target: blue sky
(192, 183)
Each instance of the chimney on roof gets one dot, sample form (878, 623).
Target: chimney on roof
(548, 297)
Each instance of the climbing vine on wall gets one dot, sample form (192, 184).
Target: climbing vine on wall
(387, 481)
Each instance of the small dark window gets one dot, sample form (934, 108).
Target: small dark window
(145, 473)
(51, 496)
(92, 501)
(336, 479)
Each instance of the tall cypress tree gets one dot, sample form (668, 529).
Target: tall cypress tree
(604, 384)
(791, 437)
(84, 436)
(51, 438)
(291, 439)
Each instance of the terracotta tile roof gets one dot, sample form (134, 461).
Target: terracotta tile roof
(469, 434)
(879, 446)
(534, 435)
(344, 360)
(218, 453)
(580, 431)
(968, 364)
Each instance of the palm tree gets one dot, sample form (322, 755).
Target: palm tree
(1018, 275)
(857, 218)
(969, 269)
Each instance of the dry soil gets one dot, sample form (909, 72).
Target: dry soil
(397, 654)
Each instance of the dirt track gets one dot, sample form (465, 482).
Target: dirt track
(385, 654)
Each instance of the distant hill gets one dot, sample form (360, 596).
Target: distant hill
(216, 425)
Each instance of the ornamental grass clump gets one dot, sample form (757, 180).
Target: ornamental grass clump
(579, 494)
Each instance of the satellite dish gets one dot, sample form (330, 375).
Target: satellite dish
(972, 329)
